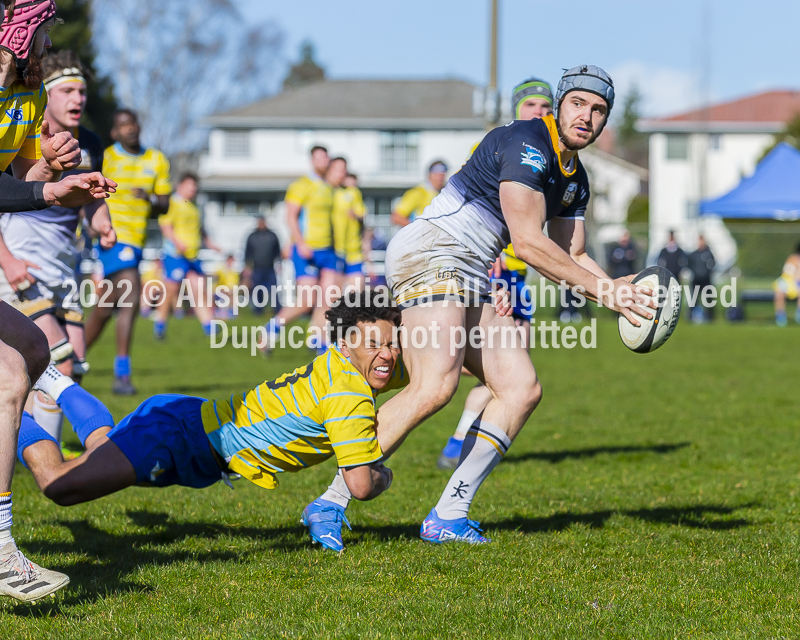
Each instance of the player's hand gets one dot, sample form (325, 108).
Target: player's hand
(61, 151)
(140, 194)
(106, 233)
(497, 267)
(17, 274)
(502, 302)
(630, 300)
(78, 190)
(304, 250)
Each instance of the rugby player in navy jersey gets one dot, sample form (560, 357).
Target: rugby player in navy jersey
(521, 177)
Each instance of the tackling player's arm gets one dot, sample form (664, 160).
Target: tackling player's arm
(525, 213)
(367, 481)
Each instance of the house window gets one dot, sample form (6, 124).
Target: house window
(715, 142)
(677, 146)
(399, 151)
(237, 144)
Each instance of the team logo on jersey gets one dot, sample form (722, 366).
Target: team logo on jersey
(15, 114)
(569, 194)
(533, 158)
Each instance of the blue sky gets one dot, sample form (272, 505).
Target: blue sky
(659, 44)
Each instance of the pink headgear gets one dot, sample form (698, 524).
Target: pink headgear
(17, 31)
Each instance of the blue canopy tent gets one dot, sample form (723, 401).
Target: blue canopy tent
(772, 192)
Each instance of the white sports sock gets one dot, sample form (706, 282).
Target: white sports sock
(5, 519)
(467, 418)
(49, 417)
(53, 382)
(337, 492)
(484, 446)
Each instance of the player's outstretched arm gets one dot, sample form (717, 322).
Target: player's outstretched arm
(78, 190)
(367, 481)
(524, 211)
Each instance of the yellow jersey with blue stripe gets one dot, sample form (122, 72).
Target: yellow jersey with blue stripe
(323, 409)
(414, 201)
(347, 230)
(21, 123)
(187, 225)
(315, 199)
(149, 171)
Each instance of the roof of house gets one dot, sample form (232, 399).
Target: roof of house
(766, 112)
(362, 104)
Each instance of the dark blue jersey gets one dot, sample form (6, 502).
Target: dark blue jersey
(525, 152)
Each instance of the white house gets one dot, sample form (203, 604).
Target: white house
(389, 130)
(704, 154)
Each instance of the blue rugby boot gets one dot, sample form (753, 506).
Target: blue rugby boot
(324, 521)
(450, 455)
(435, 529)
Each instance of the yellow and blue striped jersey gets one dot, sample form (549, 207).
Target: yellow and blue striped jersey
(414, 201)
(148, 171)
(347, 230)
(21, 123)
(323, 409)
(315, 198)
(186, 221)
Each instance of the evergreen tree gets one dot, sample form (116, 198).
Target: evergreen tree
(632, 143)
(306, 71)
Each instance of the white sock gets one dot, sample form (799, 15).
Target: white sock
(48, 416)
(5, 519)
(53, 382)
(484, 446)
(467, 418)
(337, 492)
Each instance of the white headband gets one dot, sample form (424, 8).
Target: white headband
(73, 74)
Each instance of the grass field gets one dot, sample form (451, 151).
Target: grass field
(649, 496)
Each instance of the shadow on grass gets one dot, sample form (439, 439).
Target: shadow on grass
(560, 456)
(111, 557)
(710, 517)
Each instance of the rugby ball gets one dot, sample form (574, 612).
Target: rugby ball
(656, 331)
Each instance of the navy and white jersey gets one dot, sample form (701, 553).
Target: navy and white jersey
(92, 150)
(47, 237)
(525, 152)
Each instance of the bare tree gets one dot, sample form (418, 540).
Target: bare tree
(176, 62)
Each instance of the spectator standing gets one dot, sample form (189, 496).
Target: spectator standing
(672, 257)
(701, 264)
(623, 256)
(261, 251)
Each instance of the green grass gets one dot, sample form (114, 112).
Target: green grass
(649, 496)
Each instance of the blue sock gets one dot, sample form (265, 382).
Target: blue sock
(31, 433)
(207, 329)
(159, 329)
(85, 412)
(122, 366)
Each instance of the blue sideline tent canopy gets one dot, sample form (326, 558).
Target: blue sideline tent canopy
(772, 192)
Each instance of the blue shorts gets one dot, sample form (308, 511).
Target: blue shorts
(119, 257)
(520, 294)
(321, 259)
(165, 442)
(176, 267)
(353, 267)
